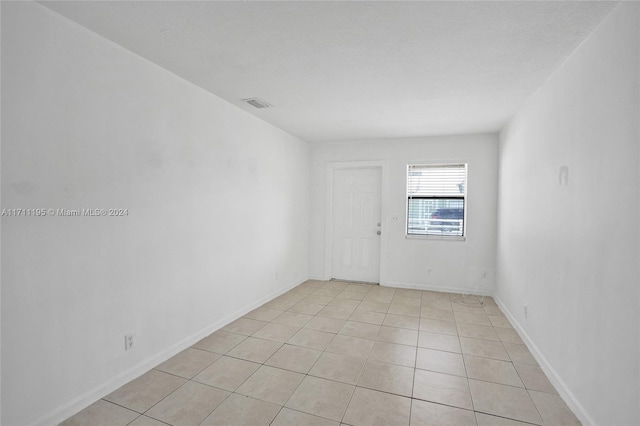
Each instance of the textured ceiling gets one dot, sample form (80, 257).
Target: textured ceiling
(355, 70)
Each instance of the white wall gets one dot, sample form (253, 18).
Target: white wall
(570, 252)
(218, 213)
(455, 265)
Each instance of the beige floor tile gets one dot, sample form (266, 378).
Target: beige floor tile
(487, 420)
(313, 283)
(360, 288)
(352, 295)
(102, 413)
(408, 292)
(368, 317)
(440, 342)
(264, 314)
(303, 290)
(293, 296)
(256, 350)
(492, 370)
(227, 373)
(142, 421)
(317, 300)
(373, 306)
(360, 329)
(293, 319)
(484, 348)
(425, 413)
(336, 285)
(240, 410)
(271, 384)
(509, 335)
(488, 300)
(473, 307)
(534, 378)
(219, 342)
(378, 298)
(312, 339)
(338, 367)
(276, 332)
(336, 312)
(442, 389)
(294, 358)
(553, 409)
(472, 318)
(288, 417)
(401, 336)
(321, 397)
(383, 290)
(145, 391)
(402, 299)
(437, 314)
(440, 361)
(330, 292)
(386, 377)
(442, 304)
(412, 311)
(393, 353)
(244, 326)
(504, 401)
(519, 353)
(477, 331)
(188, 363)
(280, 305)
(438, 326)
(306, 308)
(500, 321)
(493, 310)
(372, 408)
(189, 405)
(344, 303)
(309, 284)
(352, 346)
(401, 321)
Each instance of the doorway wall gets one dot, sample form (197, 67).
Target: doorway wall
(409, 262)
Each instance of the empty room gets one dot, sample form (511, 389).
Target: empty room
(320, 213)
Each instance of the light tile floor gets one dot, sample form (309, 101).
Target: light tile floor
(330, 353)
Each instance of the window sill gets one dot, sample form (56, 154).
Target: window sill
(434, 237)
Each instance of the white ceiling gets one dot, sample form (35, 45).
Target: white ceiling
(355, 70)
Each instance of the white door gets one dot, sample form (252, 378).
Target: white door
(356, 224)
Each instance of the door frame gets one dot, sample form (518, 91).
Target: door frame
(328, 213)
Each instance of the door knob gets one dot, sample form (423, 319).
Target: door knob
(379, 232)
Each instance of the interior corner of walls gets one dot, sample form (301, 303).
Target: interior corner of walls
(563, 390)
(317, 277)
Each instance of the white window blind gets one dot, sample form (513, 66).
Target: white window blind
(436, 199)
(437, 181)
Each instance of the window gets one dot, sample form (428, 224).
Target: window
(436, 199)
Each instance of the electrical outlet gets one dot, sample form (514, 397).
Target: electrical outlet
(526, 311)
(128, 342)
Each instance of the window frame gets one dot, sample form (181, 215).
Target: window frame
(409, 197)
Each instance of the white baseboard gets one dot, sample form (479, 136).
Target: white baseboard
(85, 399)
(563, 390)
(317, 277)
(442, 289)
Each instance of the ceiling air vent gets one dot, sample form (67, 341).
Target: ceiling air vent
(258, 103)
